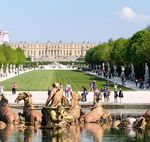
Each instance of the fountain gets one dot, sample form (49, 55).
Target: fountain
(55, 113)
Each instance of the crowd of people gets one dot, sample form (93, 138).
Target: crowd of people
(104, 94)
(139, 83)
(98, 94)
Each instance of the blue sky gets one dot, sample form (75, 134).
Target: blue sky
(73, 20)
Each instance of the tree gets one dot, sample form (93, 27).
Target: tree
(89, 55)
(118, 51)
(136, 46)
(2, 56)
(102, 53)
(148, 28)
(20, 56)
(147, 46)
(9, 55)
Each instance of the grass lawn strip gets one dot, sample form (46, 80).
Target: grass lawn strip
(41, 80)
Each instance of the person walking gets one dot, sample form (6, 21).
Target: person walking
(14, 88)
(108, 95)
(115, 93)
(105, 94)
(49, 91)
(91, 86)
(84, 94)
(136, 82)
(66, 91)
(94, 85)
(69, 90)
(120, 94)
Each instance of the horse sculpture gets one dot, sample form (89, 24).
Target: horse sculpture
(130, 123)
(97, 114)
(146, 115)
(6, 113)
(31, 115)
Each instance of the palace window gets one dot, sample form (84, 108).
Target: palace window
(75, 52)
(42, 52)
(31, 52)
(28, 53)
(34, 53)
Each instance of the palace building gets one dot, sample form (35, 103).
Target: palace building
(50, 51)
(4, 37)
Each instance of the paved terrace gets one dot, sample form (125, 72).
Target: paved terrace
(128, 83)
(138, 98)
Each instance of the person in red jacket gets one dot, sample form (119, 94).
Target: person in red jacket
(14, 88)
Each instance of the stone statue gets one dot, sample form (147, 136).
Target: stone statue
(122, 72)
(132, 72)
(2, 66)
(146, 76)
(7, 68)
(1, 71)
(122, 75)
(146, 69)
(103, 66)
(56, 97)
(132, 68)
(10, 68)
(13, 68)
(108, 67)
(115, 72)
(55, 113)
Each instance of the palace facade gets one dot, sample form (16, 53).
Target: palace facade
(50, 51)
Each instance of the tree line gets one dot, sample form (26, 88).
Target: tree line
(123, 52)
(10, 56)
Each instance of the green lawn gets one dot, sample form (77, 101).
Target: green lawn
(40, 80)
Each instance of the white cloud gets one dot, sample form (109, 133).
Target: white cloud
(129, 15)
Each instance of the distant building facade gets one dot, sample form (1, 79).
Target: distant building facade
(50, 51)
(4, 37)
(54, 51)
